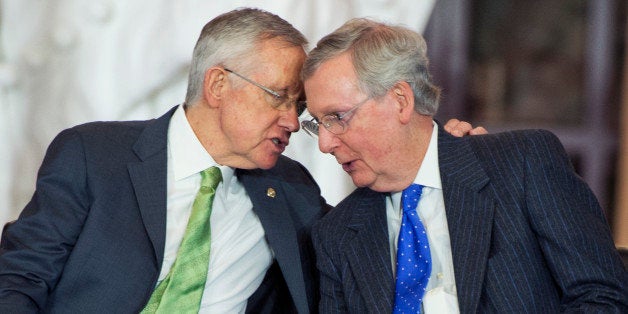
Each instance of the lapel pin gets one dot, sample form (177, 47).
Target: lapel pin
(270, 192)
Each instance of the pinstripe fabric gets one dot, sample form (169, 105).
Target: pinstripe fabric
(527, 234)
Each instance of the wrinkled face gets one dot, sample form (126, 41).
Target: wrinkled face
(366, 150)
(257, 133)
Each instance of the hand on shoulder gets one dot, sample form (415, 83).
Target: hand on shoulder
(459, 128)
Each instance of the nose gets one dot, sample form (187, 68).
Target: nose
(289, 120)
(327, 141)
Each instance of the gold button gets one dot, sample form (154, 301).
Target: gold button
(271, 192)
(439, 275)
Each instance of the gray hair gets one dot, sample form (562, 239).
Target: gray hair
(233, 37)
(382, 55)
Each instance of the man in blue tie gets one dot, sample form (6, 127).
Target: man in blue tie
(481, 224)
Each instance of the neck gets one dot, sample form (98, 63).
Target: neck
(417, 141)
(205, 123)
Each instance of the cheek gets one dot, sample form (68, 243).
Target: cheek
(240, 130)
(378, 157)
(245, 131)
(247, 120)
(372, 151)
(373, 143)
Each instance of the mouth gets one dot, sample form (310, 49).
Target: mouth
(347, 166)
(280, 143)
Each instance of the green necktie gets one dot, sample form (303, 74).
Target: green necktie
(182, 289)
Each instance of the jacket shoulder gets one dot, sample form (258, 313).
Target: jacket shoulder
(285, 170)
(519, 145)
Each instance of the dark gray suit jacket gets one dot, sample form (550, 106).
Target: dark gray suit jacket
(91, 240)
(527, 234)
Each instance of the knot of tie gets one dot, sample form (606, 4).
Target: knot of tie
(210, 178)
(410, 197)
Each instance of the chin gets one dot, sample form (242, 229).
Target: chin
(267, 164)
(361, 181)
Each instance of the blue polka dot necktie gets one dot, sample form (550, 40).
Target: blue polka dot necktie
(414, 263)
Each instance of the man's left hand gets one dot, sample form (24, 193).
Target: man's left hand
(459, 128)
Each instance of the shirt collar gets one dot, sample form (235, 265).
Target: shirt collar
(429, 173)
(188, 155)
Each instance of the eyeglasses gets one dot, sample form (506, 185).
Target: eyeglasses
(275, 99)
(333, 122)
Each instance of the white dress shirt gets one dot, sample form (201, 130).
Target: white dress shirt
(239, 255)
(441, 295)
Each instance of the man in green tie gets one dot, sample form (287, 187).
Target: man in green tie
(116, 226)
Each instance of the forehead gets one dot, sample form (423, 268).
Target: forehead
(276, 57)
(333, 86)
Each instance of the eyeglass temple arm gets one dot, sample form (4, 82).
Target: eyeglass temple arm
(266, 89)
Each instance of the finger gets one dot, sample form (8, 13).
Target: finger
(478, 131)
(451, 124)
(464, 127)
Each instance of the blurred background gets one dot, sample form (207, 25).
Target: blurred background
(503, 64)
(553, 64)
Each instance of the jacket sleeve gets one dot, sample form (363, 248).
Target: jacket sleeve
(37, 245)
(332, 298)
(572, 231)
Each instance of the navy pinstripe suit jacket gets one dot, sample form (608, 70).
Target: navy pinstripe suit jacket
(527, 234)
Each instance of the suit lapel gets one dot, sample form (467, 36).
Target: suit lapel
(369, 256)
(469, 216)
(270, 205)
(149, 178)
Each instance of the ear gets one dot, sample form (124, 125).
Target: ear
(404, 101)
(214, 85)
